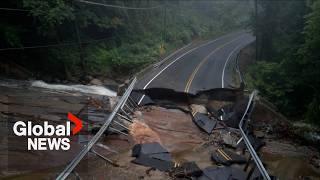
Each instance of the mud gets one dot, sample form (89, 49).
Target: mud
(285, 155)
(178, 134)
(288, 160)
(142, 133)
(175, 128)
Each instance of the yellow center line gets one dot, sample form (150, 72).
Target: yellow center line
(189, 82)
(226, 156)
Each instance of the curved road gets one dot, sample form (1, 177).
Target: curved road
(201, 67)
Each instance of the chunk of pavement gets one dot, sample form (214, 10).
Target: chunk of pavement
(147, 149)
(187, 170)
(152, 155)
(204, 122)
(198, 108)
(222, 173)
(227, 157)
(257, 143)
(161, 156)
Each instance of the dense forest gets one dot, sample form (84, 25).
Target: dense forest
(58, 40)
(70, 39)
(288, 68)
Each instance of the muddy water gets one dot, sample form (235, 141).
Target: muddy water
(291, 167)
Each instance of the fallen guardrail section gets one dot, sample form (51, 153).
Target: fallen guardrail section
(122, 110)
(243, 125)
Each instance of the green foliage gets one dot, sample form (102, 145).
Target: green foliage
(111, 41)
(11, 35)
(50, 13)
(290, 76)
(310, 63)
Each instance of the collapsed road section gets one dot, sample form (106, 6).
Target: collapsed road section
(160, 145)
(215, 111)
(166, 139)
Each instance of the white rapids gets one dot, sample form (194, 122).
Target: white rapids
(89, 89)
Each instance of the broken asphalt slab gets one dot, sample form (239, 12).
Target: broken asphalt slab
(227, 157)
(204, 122)
(222, 173)
(152, 155)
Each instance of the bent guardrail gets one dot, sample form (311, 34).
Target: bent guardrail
(70, 167)
(246, 140)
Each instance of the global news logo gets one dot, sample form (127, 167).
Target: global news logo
(47, 136)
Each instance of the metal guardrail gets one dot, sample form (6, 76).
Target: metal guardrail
(70, 167)
(253, 153)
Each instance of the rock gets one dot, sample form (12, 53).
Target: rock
(138, 114)
(230, 139)
(315, 161)
(113, 101)
(109, 82)
(47, 78)
(87, 78)
(96, 82)
(198, 108)
(127, 81)
(259, 134)
(121, 89)
(56, 80)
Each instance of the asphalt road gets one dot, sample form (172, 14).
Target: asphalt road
(195, 68)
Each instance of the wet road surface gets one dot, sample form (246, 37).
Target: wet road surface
(197, 68)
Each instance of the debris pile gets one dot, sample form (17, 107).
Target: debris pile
(158, 128)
